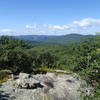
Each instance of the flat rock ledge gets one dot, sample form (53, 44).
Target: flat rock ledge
(43, 87)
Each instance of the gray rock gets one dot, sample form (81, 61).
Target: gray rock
(26, 81)
(42, 87)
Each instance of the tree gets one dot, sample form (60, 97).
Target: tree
(17, 61)
(46, 60)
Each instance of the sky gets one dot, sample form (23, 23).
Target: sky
(49, 17)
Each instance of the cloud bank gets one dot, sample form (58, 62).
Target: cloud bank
(86, 22)
(83, 26)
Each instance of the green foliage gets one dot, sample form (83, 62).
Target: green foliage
(13, 54)
(83, 58)
(16, 60)
(88, 65)
(46, 59)
(42, 70)
(16, 56)
(9, 42)
(4, 76)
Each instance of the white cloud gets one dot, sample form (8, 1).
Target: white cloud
(86, 22)
(7, 30)
(80, 26)
(60, 27)
(33, 26)
(83, 26)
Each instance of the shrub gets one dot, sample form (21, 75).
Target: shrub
(4, 76)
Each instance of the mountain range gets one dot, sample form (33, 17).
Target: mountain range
(70, 38)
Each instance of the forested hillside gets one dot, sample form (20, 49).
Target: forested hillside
(83, 58)
(62, 39)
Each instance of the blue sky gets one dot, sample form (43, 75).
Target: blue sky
(49, 17)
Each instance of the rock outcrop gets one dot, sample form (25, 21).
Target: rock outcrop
(42, 87)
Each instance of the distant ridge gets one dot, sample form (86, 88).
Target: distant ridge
(54, 39)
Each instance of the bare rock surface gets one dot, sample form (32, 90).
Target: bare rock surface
(42, 87)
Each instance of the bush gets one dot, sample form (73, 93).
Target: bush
(42, 70)
(4, 76)
(16, 61)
